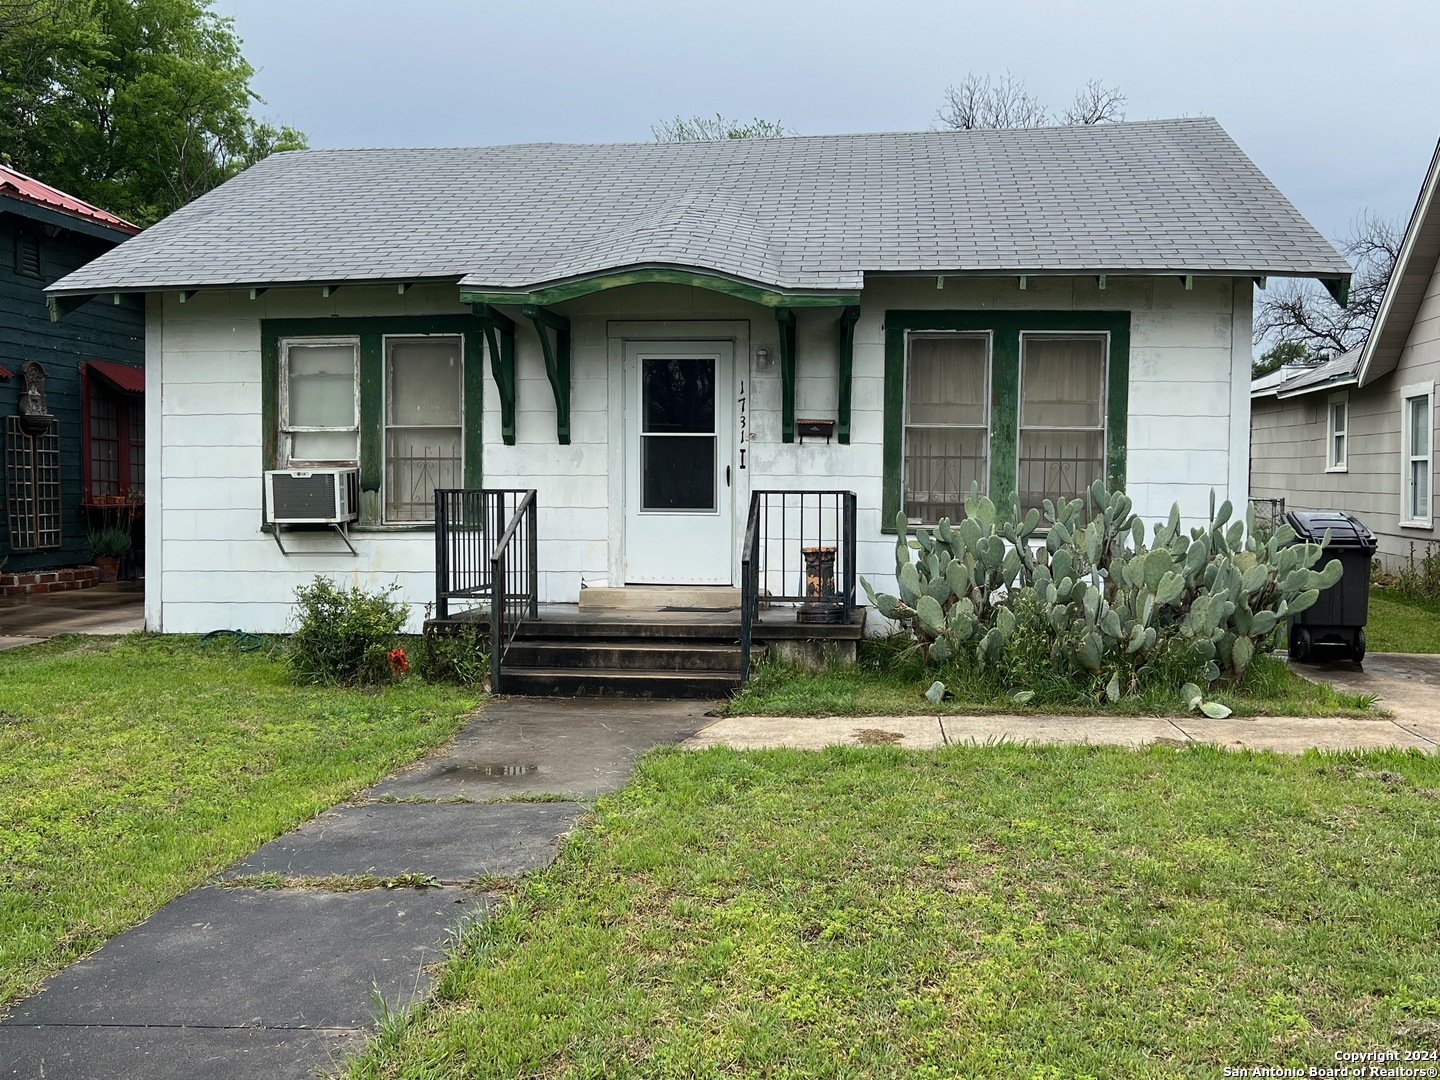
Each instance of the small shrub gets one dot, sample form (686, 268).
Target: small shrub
(459, 656)
(346, 637)
(1420, 580)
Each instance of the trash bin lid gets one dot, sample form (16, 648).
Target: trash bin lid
(1346, 530)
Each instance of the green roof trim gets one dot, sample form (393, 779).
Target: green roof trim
(570, 290)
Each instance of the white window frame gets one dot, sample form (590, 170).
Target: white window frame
(385, 424)
(287, 458)
(987, 427)
(1337, 462)
(1103, 336)
(1408, 394)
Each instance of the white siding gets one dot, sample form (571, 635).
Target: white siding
(212, 566)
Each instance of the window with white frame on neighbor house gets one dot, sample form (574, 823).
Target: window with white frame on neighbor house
(1417, 453)
(1337, 440)
(947, 423)
(421, 424)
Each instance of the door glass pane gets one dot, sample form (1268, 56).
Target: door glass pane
(678, 395)
(678, 472)
(1063, 380)
(322, 385)
(946, 380)
(422, 424)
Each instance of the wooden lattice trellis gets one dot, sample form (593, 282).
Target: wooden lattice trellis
(32, 486)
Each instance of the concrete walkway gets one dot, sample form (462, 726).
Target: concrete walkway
(1286, 734)
(244, 981)
(104, 609)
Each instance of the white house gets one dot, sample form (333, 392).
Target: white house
(645, 333)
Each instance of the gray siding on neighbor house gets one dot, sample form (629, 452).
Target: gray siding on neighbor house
(1287, 453)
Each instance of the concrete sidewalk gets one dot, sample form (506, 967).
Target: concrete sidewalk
(1286, 734)
(244, 981)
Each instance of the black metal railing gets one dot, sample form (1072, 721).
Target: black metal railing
(486, 557)
(514, 582)
(781, 527)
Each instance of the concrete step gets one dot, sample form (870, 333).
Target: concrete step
(661, 598)
(578, 682)
(595, 653)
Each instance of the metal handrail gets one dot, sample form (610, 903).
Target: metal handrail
(833, 512)
(505, 577)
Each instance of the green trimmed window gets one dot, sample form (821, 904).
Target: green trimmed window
(398, 398)
(1028, 402)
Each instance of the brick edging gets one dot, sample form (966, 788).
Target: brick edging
(30, 582)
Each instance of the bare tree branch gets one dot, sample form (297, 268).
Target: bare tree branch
(707, 128)
(1304, 314)
(1095, 103)
(980, 102)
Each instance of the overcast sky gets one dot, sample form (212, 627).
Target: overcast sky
(1339, 103)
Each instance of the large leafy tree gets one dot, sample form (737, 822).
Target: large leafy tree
(138, 106)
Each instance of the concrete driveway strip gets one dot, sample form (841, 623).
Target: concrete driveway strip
(574, 747)
(813, 733)
(452, 842)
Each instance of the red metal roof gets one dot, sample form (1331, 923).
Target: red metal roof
(122, 376)
(4, 374)
(32, 190)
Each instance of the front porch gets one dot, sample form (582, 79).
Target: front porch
(796, 599)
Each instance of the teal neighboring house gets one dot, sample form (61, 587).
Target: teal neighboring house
(72, 433)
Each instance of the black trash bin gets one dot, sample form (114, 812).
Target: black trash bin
(1334, 627)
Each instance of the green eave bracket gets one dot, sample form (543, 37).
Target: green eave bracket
(786, 318)
(557, 362)
(743, 290)
(495, 326)
(848, 318)
(1339, 289)
(60, 306)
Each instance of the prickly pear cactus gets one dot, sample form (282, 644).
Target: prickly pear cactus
(1113, 604)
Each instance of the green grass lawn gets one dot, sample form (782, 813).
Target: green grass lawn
(991, 911)
(882, 684)
(1400, 625)
(134, 768)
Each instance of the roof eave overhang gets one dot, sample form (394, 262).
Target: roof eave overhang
(557, 292)
(59, 219)
(1302, 391)
(1386, 341)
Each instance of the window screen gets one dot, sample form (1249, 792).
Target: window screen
(319, 410)
(1062, 416)
(947, 428)
(422, 424)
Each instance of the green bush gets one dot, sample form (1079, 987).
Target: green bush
(346, 637)
(460, 656)
(1094, 603)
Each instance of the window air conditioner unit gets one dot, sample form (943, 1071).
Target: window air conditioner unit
(312, 496)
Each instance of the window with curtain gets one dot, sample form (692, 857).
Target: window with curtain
(423, 410)
(1062, 416)
(1416, 442)
(319, 402)
(947, 423)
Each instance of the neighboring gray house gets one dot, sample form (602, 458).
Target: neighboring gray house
(645, 335)
(1358, 433)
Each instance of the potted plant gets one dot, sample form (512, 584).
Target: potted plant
(108, 545)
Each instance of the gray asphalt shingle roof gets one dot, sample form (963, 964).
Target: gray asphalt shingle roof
(808, 213)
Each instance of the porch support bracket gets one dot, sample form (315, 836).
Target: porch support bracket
(557, 362)
(499, 331)
(1339, 289)
(848, 317)
(786, 319)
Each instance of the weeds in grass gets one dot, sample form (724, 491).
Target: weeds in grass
(331, 882)
(1419, 580)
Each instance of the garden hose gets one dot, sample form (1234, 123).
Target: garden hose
(245, 642)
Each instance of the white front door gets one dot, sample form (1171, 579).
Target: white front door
(678, 470)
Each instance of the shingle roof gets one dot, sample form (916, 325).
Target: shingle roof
(27, 188)
(808, 213)
(1293, 380)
